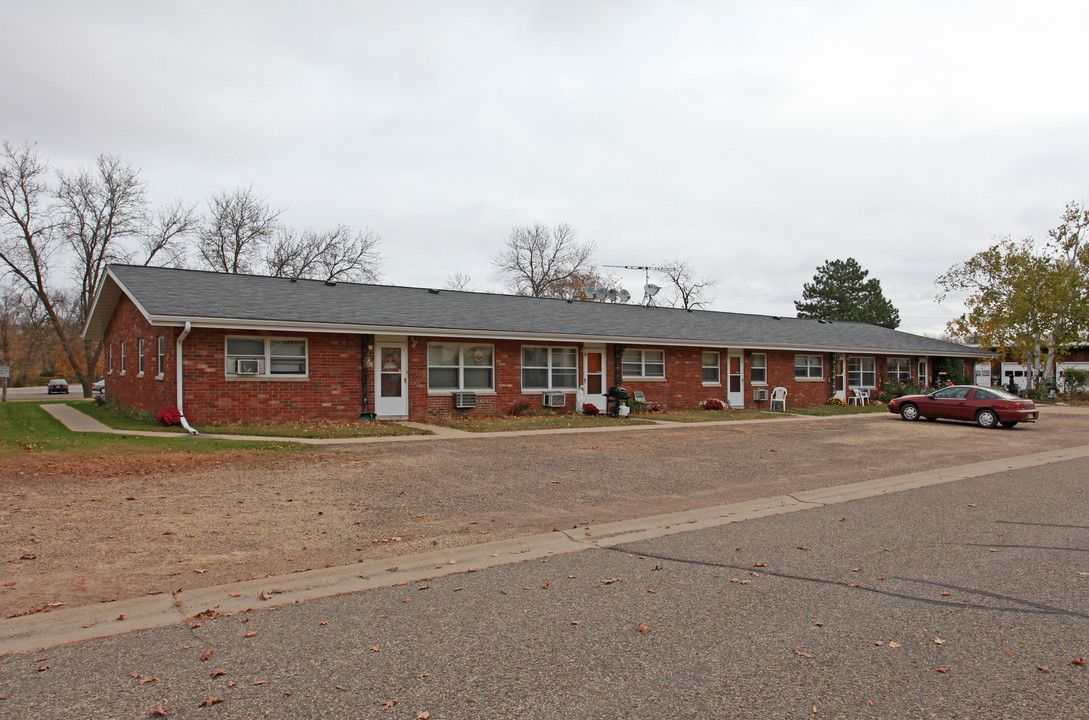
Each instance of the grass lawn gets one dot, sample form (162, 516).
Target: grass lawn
(499, 423)
(121, 420)
(839, 409)
(700, 416)
(26, 428)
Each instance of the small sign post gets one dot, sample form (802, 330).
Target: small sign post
(5, 374)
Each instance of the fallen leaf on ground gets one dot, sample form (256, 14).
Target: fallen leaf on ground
(158, 711)
(1078, 661)
(939, 641)
(207, 655)
(942, 670)
(895, 645)
(803, 654)
(388, 704)
(643, 628)
(250, 634)
(210, 702)
(1043, 669)
(219, 672)
(424, 715)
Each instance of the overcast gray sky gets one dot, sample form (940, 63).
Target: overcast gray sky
(755, 139)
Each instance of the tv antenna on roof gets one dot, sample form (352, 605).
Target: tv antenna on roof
(649, 290)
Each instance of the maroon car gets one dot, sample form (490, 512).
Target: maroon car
(986, 406)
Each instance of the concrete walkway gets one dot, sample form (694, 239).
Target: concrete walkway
(77, 421)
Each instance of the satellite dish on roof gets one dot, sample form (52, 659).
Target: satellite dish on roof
(611, 295)
(599, 293)
(624, 296)
(651, 290)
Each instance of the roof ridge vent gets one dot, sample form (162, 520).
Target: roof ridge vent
(331, 282)
(433, 291)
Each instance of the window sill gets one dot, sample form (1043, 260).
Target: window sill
(811, 380)
(758, 383)
(712, 384)
(448, 393)
(267, 378)
(160, 376)
(643, 379)
(543, 391)
(139, 375)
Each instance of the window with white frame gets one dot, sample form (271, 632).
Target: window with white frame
(638, 363)
(549, 368)
(453, 366)
(861, 372)
(900, 369)
(122, 357)
(758, 368)
(162, 356)
(808, 367)
(140, 356)
(251, 356)
(712, 370)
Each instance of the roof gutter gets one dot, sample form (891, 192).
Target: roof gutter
(181, 338)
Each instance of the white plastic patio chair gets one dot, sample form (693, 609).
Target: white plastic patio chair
(859, 397)
(778, 395)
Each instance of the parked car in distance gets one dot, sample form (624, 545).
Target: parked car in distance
(99, 388)
(57, 385)
(986, 406)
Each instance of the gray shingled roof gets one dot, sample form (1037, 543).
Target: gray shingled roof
(170, 297)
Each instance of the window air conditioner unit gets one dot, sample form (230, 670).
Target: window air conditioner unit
(464, 400)
(555, 400)
(247, 367)
(760, 394)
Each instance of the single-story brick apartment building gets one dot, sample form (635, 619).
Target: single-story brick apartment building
(243, 348)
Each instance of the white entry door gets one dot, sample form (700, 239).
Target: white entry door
(735, 379)
(593, 379)
(391, 380)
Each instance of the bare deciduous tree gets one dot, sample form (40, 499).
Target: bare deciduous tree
(335, 254)
(238, 226)
(459, 281)
(690, 292)
(542, 262)
(91, 213)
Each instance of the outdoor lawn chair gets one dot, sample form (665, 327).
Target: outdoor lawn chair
(859, 397)
(639, 397)
(778, 395)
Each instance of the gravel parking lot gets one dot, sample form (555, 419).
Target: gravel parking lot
(79, 533)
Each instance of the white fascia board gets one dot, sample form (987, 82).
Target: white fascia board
(122, 290)
(272, 326)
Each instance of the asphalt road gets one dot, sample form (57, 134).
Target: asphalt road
(963, 600)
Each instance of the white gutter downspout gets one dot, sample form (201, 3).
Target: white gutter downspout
(181, 338)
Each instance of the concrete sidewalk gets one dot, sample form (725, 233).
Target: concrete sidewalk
(77, 421)
(62, 626)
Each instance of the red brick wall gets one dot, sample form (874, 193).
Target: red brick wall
(683, 386)
(150, 393)
(332, 390)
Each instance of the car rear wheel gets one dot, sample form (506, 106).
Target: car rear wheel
(986, 419)
(909, 411)
(1008, 423)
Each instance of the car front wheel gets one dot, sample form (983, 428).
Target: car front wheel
(909, 412)
(986, 419)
